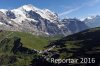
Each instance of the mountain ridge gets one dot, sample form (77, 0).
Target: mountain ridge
(37, 21)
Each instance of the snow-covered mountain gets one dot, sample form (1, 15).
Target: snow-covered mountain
(28, 18)
(93, 21)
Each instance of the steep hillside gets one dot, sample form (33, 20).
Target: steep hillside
(21, 49)
(28, 40)
(13, 53)
(85, 44)
(93, 21)
(71, 26)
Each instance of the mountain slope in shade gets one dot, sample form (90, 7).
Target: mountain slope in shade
(71, 26)
(37, 21)
(93, 21)
(85, 44)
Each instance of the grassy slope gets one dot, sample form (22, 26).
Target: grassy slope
(85, 43)
(82, 44)
(28, 40)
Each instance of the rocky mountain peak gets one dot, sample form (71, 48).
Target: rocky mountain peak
(29, 18)
(28, 7)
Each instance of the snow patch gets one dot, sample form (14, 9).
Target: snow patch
(61, 25)
(3, 10)
(1, 23)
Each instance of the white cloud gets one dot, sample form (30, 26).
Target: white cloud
(89, 4)
(69, 11)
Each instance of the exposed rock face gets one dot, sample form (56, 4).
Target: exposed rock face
(93, 21)
(38, 21)
(71, 26)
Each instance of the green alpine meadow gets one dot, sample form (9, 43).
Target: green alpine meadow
(49, 32)
(18, 48)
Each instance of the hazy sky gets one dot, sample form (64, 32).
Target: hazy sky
(64, 8)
